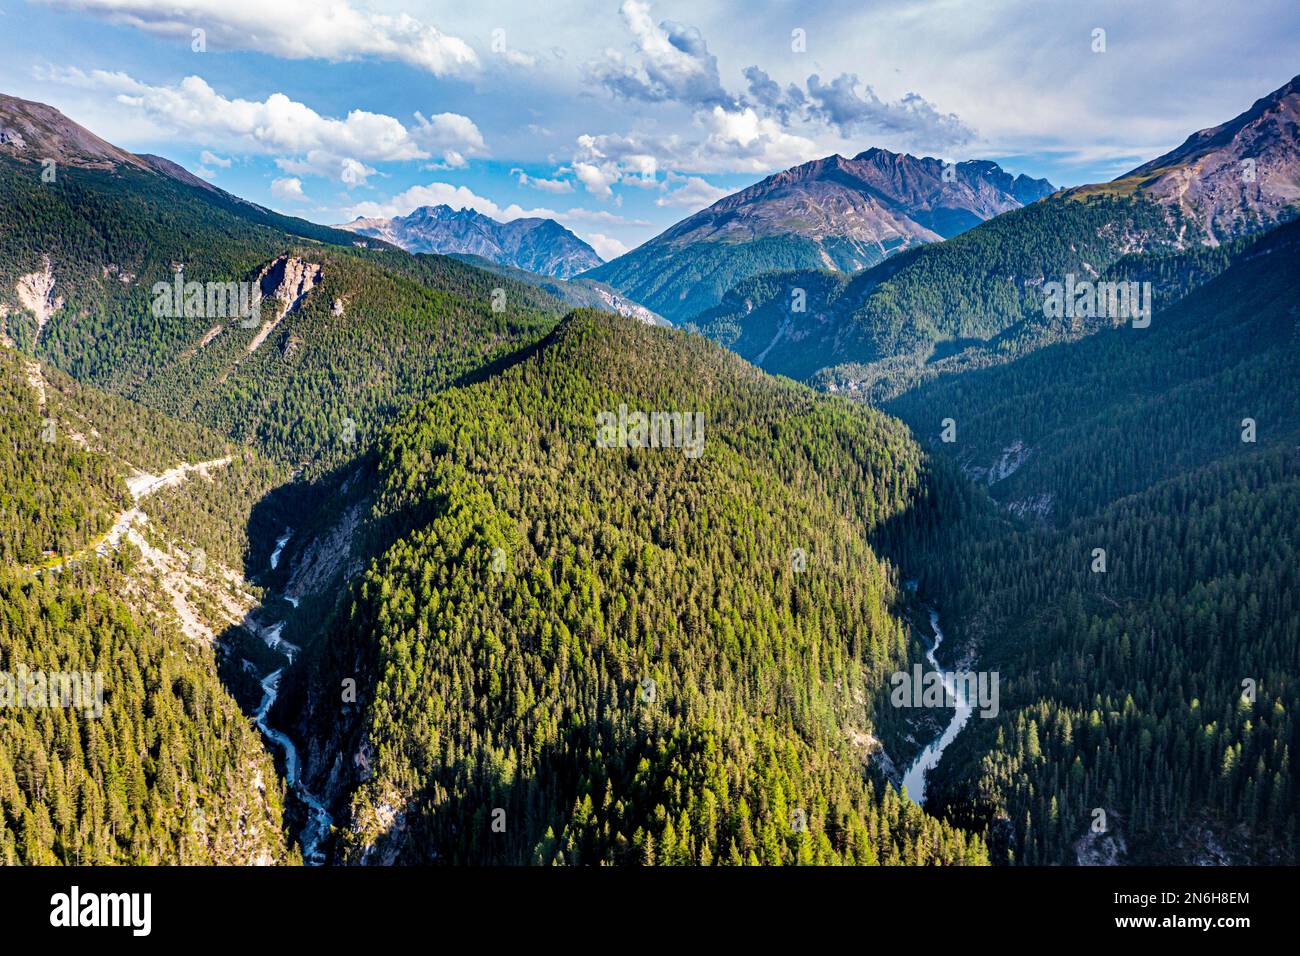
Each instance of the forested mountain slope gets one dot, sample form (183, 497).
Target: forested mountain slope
(973, 300)
(1144, 616)
(342, 334)
(158, 765)
(581, 654)
(1075, 426)
(1161, 692)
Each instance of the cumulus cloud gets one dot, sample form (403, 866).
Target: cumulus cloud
(741, 139)
(841, 105)
(209, 158)
(607, 247)
(447, 133)
(443, 194)
(730, 140)
(545, 185)
(318, 162)
(755, 129)
(690, 192)
(769, 95)
(288, 189)
(293, 29)
(674, 62)
(601, 161)
(851, 108)
(597, 178)
(450, 160)
(306, 142)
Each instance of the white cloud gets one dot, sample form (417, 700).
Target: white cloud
(292, 29)
(733, 140)
(606, 247)
(741, 139)
(212, 159)
(602, 161)
(691, 193)
(317, 162)
(545, 185)
(288, 189)
(448, 134)
(306, 142)
(597, 178)
(841, 104)
(675, 62)
(439, 194)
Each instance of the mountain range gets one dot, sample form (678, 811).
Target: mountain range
(370, 584)
(832, 213)
(536, 245)
(978, 298)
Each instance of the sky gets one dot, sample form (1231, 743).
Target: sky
(618, 118)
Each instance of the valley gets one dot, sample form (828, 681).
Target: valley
(370, 587)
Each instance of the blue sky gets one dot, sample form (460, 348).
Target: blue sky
(620, 117)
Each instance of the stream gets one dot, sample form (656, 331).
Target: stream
(318, 826)
(319, 820)
(914, 779)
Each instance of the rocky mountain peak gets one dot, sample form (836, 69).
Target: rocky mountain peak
(542, 246)
(36, 132)
(1230, 178)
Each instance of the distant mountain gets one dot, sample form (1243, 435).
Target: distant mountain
(977, 299)
(537, 245)
(832, 213)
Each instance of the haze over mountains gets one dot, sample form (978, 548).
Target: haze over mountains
(538, 245)
(832, 213)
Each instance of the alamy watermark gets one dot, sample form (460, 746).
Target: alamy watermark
(633, 429)
(1086, 299)
(919, 688)
(83, 690)
(207, 300)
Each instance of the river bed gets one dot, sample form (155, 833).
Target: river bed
(914, 779)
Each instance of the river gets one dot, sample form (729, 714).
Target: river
(914, 779)
(319, 821)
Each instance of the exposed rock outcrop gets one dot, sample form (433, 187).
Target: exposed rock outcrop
(284, 281)
(36, 293)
